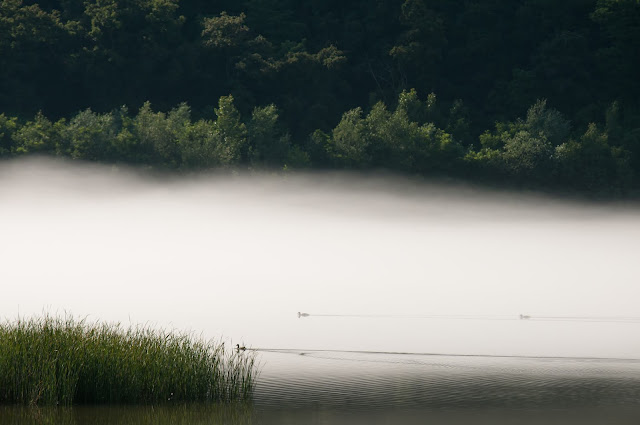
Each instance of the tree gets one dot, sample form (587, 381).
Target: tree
(8, 126)
(225, 31)
(524, 149)
(34, 49)
(547, 122)
(132, 47)
(618, 58)
(198, 150)
(268, 144)
(395, 140)
(421, 43)
(349, 140)
(90, 135)
(159, 134)
(37, 136)
(592, 164)
(230, 131)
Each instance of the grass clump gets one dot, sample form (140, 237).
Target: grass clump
(53, 360)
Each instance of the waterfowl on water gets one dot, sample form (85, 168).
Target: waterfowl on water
(524, 316)
(302, 315)
(238, 348)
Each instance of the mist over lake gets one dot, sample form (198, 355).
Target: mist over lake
(413, 295)
(239, 255)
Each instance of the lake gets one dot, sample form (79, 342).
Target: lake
(368, 388)
(427, 303)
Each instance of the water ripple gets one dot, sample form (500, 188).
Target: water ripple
(375, 381)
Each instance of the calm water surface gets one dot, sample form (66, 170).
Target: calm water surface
(383, 381)
(330, 387)
(414, 292)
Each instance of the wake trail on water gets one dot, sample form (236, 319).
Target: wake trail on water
(523, 317)
(300, 351)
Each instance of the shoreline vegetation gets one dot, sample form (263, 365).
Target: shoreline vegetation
(65, 361)
(420, 88)
(537, 152)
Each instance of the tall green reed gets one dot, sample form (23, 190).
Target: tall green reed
(54, 360)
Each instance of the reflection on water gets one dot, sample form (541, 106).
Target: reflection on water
(129, 415)
(188, 415)
(335, 388)
(382, 381)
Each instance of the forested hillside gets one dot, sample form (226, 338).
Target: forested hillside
(537, 93)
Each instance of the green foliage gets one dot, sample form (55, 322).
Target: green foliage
(538, 151)
(52, 360)
(529, 151)
(37, 136)
(546, 122)
(527, 154)
(90, 136)
(8, 126)
(124, 146)
(159, 135)
(224, 31)
(320, 149)
(458, 122)
(618, 57)
(297, 158)
(487, 163)
(216, 143)
(230, 131)
(32, 54)
(350, 143)
(268, 144)
(198, 150)
(494, 141)
(393, 139)
(592, 164)
(316, 60)
(523, 149)
(309, 62)
(421, 43)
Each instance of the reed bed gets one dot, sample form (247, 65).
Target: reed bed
(62, 361)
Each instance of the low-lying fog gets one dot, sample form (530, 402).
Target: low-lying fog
(239, 256)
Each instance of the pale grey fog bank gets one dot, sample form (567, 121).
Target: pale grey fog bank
(394, 265)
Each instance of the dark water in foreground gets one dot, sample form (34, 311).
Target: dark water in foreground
(378, 381)
(333, 387)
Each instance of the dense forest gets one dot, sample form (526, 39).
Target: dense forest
(533, 93)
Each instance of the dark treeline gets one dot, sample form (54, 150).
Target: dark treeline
(540, 93)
